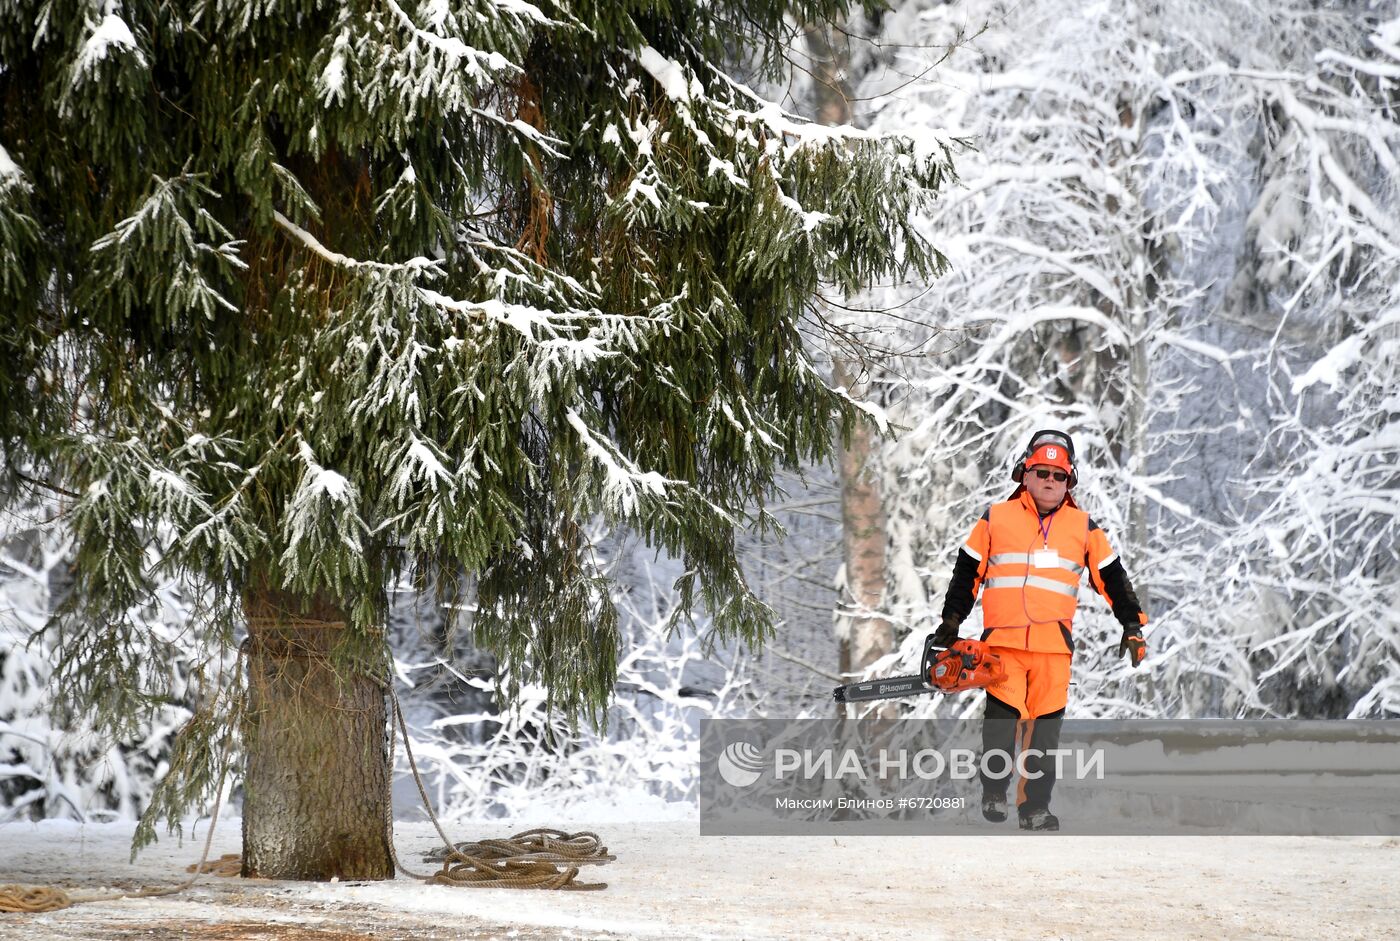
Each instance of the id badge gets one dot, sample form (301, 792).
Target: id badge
(1045, 559)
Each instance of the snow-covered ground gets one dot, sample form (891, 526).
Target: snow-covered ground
(669, 882)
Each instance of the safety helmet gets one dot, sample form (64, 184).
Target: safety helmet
(1051, 441)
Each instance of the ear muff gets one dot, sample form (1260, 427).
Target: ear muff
(1018, 470)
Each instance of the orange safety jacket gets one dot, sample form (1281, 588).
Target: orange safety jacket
(1029, 570)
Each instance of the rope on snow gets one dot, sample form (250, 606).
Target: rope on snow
(542, 858)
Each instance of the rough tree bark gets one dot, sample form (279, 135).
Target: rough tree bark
(1141, 250)
(1139, 292)
(316, 784)
(864, 636)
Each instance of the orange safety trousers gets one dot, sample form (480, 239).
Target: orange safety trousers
(1024, 712)
(1036, 683)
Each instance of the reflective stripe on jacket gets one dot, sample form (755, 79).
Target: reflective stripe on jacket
(1030, 569)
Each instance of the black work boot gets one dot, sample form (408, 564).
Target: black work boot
(994, 807)
(1039, 820)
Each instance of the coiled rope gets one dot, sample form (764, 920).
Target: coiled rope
(542, 858)
(32, 898)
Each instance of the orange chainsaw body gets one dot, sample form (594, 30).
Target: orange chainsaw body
(968, 664)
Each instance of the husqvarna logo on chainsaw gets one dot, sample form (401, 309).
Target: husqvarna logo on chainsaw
(740, 764)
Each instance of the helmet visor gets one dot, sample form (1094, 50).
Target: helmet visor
(1043, 438)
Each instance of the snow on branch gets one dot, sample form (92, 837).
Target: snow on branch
(10, 173)
(625, 484)
(323, 511)
(1330, 369)
(480, 66)
(872, 410)
(110, 33)
(419, 264)
(1017, 323)
(1064, 260)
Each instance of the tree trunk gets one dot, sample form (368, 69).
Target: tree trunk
(1137, 420)
(1139, 294)
(316, 786)
(865, 636)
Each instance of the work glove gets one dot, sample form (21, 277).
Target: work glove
(1133, 646)
(947, 633)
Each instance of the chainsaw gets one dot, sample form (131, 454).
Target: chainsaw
(967, 664)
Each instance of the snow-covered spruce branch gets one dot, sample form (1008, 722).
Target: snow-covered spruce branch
(425, 266)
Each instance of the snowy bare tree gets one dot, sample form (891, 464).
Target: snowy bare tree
(1171, 208)
(1087, 197)
(1312, 563)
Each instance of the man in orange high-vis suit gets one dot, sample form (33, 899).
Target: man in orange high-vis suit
(1027, 556)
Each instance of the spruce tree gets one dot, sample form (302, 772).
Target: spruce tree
(304, 296)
